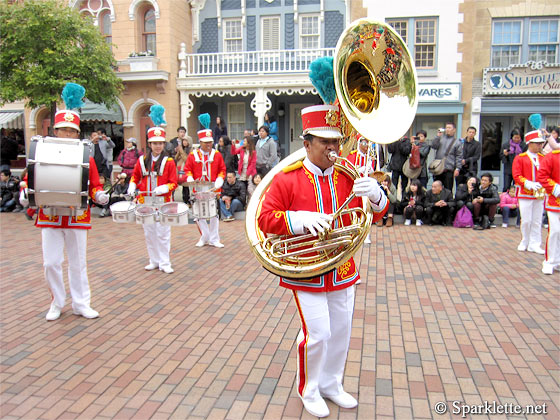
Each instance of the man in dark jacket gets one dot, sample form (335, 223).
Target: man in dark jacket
(510, 149)
(400, 150)
(9, 191)
(471, 156)
(421, 140)
(448, 148)
(233, 197)
(486, 204)
(439, 205)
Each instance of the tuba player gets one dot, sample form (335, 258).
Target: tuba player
(301, 200)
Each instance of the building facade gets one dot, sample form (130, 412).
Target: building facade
(514, 60)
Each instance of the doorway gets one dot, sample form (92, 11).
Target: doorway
(295, 143)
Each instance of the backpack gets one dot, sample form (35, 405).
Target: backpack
(464, 218)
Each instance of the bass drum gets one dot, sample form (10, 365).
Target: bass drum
(58, 172)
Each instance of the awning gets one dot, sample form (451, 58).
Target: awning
(11, 119)
(99, 112)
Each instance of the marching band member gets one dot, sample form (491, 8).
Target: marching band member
(359, 159)
(206, 164)
(301, 199)
(549, 176)
(155, 174)
(59, 231)
(524, 171)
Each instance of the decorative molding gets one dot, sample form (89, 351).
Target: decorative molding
(132, 110)
(196, 7)
(295, 11)
(33, 116)
(75, 4)
(134, 6)
(219, 12)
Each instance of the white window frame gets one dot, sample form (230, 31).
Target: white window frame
(556, 44)
(225, 23)
(519, 45)
(301, 35)
(406, 24)
(232, 123)
(270, 17)
(435, 43)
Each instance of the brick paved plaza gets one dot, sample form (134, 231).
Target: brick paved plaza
(442, 315)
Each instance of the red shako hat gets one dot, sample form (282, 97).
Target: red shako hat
(321, 121)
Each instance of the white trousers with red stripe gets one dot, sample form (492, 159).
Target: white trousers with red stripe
(322, 343)
(158, 242)
(552, 256)
(211, 235)
(75, 240)
(531, 221)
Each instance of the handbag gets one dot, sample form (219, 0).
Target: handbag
(409, 172)
(463, 218)
(414, 157)
(437, 166)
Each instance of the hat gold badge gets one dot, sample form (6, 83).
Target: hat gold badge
(68, 116)
(331, 118)
(157, 132)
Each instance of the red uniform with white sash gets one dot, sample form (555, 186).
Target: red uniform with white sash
(158, 236)
(204, 167)
(549, 177)
(167, 175)
(524, 168)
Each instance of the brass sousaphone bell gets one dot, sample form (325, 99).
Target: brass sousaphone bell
(375, 81)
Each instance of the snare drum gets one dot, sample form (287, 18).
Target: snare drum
(174, 214)
(58, 172)
(146, 215)
(204, 205)
(123, 211)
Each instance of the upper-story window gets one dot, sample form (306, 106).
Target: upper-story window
(270, 33)
(516, 41)
(105, 27)
(422, 43)
(149, 31)
(309, 32)
(233, 35)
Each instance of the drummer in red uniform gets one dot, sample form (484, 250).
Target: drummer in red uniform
(524, 171)
(206, 164)
(59, 231)
(300, 200)
(549, 176)
(155, 175)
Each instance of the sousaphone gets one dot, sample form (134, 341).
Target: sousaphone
(376, 84)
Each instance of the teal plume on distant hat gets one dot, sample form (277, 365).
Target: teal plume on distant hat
(156, 114)
(72, 95)
(204, 120)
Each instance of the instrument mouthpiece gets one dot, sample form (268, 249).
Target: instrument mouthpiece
(332, 156)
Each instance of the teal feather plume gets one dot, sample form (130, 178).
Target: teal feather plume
(72, 95)
(322, 77)
(156, 114)
(535, 120)
(204, 120)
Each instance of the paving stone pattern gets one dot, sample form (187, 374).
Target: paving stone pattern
(443, 314)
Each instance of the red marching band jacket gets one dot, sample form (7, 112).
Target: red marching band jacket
(295, 189)
(167, 175)
(549, 177)
(523, 169)
(204, 169)
(82, 221)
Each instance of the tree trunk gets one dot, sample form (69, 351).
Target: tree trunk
(53, 111)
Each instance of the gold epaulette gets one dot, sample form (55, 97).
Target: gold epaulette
(293, 167)
(555, 151)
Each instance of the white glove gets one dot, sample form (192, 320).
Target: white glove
(367, 187)
(23, 200)
(218, 183)
(531, 185)
(556, 191)
(162, 189)
(309, 220)
(362, 170)
(190, 179)
(131, 189)
(101, 197)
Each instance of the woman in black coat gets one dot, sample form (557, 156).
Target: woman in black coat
(413, 203)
